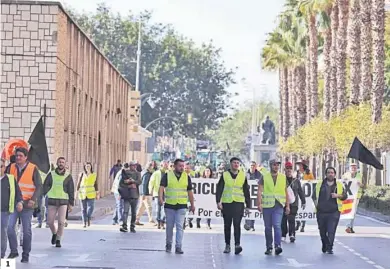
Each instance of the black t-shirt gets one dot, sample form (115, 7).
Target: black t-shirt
(164, 183)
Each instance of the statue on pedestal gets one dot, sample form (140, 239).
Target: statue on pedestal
(269, 131)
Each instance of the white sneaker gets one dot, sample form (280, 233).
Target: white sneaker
(284, 239)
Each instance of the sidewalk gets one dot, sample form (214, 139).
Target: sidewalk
(374, 215)
(103, 206)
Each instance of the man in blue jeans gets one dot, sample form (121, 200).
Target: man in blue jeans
(271, 198)
(177, 187)
(11, 200)
(118, 212)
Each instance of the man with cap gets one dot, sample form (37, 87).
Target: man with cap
(289, 219)
(272, 197)
(303, 173)
(129, 192)
(231, 196)
(353, 174)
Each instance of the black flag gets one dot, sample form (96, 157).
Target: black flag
(37, 153)
(359, 152)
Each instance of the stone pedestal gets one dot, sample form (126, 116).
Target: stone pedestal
(263, 153)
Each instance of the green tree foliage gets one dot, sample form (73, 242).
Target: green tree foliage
(181, 76)
(337, 134)
(235, 129)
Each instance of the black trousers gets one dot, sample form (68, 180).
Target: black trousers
(288, 222)
(127, 205)
(232, 214)
(327, 224)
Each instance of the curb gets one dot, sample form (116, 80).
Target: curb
(374, 215)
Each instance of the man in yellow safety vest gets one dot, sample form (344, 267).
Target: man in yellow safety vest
(329, 195)
(177, 187)
(354, 174)
(232, 197)
(59, 188)
(11, 196)
(271, 199)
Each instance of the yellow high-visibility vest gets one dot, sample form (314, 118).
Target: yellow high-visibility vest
(273, 191)
(87, 187)
(339, 192)
(233, 190)
(176, 190)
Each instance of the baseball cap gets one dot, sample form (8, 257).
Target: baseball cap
(288, 165)
(132, 163)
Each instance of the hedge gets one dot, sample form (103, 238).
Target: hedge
(376, 198)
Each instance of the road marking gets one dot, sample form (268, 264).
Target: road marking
(294, 263)
(212, 252)
(364, 258)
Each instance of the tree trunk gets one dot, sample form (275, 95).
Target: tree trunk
(333, 55)
(342, 55)
(291, 97)
(307, 85)
(327, 72)
(313, 66)
(354, 51)
(285, 111)
(300, 95)
(378, 38)
(366, 50)
(281, 127)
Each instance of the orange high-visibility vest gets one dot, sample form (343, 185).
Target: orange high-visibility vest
(26, 183)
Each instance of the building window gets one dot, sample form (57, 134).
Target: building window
(66, 107)
(74, 110)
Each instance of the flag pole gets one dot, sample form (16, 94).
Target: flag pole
(44, 116)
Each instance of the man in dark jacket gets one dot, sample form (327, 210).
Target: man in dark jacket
(115, 169)
(11, 198)
(128, 190)
(329, 195)
(146, 197)
(59, 188)
(289, 220)
(232, 197)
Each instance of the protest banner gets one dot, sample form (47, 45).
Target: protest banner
(206, 207)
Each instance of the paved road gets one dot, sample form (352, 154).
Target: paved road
(103, 246)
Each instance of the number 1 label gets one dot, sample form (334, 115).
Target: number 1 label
(8, 264)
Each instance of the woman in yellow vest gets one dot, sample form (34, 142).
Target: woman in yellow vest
(328, 197)
(87, 188)
(232, 197)
(11, 195)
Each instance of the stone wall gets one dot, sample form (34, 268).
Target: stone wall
(28, 72)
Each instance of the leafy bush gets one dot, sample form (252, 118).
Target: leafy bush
(337, 134)
(376, 198)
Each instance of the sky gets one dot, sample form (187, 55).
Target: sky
(239, 27)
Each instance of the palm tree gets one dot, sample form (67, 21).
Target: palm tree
(378, 38)
(334, 17)
(366, 50)
(342, 55)
(354, 50)
(308, 8)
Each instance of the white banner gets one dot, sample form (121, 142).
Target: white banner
(206, 207)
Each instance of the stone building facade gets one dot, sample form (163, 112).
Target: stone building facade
(50, 67)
